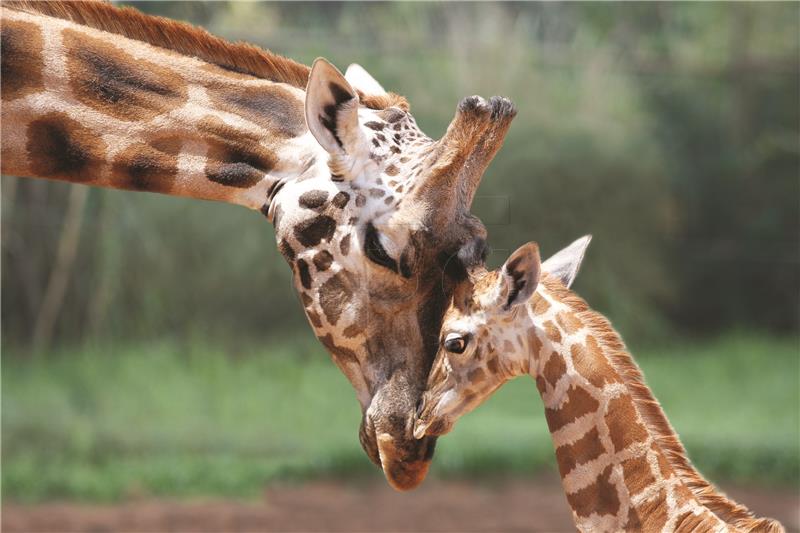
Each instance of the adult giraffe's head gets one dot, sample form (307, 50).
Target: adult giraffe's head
(374, 238)
(368, 211)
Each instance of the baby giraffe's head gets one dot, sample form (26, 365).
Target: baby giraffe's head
(486, 333)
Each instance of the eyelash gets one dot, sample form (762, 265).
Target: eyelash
(376, 253)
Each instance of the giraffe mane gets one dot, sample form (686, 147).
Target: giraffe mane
(188, 40)
(656, 420)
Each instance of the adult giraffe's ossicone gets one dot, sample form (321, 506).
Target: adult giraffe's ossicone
(368, 211)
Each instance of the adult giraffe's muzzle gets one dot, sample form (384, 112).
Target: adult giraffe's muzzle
(387, 434)
(405, 462)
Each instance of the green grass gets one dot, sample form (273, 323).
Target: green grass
(169, 419)
(735, 402)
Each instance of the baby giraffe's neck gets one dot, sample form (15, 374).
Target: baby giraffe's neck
(621, 464)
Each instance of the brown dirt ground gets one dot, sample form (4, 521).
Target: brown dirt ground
(438, 506)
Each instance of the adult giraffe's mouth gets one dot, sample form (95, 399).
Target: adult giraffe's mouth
(405, 463)
(386, 435)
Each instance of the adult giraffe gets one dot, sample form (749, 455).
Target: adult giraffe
(367, 210)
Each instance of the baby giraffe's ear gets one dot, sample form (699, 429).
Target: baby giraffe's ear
(565, 264)
(332, 110)
(362, 80)
(519, 276)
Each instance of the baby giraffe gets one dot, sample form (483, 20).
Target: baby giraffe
(622, 466)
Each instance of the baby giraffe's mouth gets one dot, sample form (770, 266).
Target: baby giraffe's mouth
(433, 427)
(424, 415)
(420, 427)
(429, 420)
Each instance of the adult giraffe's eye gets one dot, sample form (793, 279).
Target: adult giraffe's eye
(375, 251)
(455, 343)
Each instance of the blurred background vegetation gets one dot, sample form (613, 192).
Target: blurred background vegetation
(153, 344)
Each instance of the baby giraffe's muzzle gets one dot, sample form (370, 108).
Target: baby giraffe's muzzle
(420, 427)
(430, 420)
(422, 420)
(433, 427)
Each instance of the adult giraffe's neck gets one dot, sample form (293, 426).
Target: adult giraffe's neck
(109, 97)
(622, 465)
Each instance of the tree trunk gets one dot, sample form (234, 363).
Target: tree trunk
(106, 268)
(62, 269)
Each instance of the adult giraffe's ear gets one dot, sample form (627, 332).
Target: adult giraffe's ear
(519, 276)
(565, 264)
(361, 80)
(332, 110)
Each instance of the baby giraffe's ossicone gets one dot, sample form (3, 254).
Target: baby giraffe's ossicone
(622, 466)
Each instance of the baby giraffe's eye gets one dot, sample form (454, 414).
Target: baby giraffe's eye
(455, 343)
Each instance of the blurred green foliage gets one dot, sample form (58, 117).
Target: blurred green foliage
(669, 131)
(181, 419)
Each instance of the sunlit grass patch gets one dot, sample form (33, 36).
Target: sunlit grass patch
(174, 419)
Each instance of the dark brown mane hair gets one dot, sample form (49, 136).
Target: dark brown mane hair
(726, 509)
(188, 40)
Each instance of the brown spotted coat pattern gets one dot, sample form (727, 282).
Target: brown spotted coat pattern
(84, 105)
(107, 96)
(621, 464)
